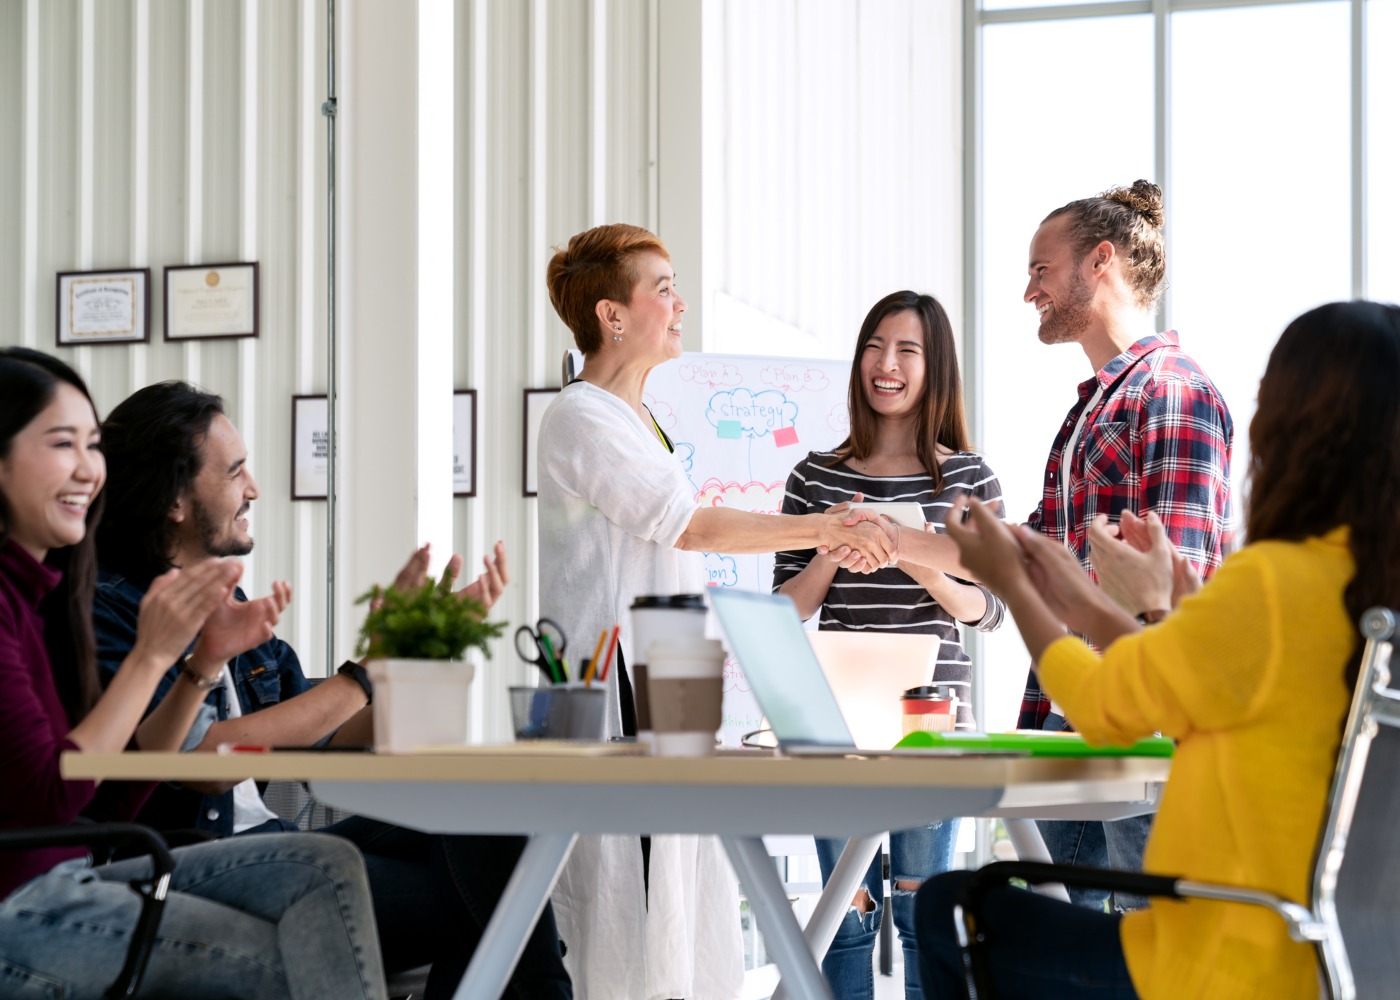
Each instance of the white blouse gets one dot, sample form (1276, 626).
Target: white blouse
(612, 504)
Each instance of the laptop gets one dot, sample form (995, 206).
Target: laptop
(766, 636)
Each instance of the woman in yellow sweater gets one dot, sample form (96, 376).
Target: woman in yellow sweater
(1252, 676)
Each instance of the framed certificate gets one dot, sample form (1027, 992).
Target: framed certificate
(464, 443)
(103, 307)
(211, 301)
(536, 402)
(310, 447)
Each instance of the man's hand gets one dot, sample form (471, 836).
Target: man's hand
(487, 587)
(871, 539)
(843, 556)
(237, 626)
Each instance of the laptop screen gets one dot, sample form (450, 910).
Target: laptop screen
(766, 637)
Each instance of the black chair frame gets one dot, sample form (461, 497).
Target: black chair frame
(111, 837)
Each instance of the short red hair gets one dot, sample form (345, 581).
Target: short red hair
(597, 264)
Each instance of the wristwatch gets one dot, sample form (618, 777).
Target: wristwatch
(1151, 617)
(200, 682)
(359, 675)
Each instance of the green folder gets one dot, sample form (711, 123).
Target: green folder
(1037, 744)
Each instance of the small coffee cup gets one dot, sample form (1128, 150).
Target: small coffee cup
(659, 616)
(685, 680)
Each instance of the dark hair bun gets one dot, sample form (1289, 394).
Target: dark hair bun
(1143, 197)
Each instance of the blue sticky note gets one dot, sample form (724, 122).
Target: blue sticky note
(731, 429)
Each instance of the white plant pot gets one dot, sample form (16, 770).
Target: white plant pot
(419, 702)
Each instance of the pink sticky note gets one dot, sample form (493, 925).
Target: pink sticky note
(785, 436)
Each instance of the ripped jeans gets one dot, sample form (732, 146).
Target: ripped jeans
(915, 856)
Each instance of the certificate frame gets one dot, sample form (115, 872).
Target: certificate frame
(536, 402)
(119, 313)
(194, 310)
(464, 443)
(310, 471)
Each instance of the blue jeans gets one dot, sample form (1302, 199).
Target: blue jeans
(915, 855)
(433, 896)
(1096, 844)
(1039, 948)
(267, 917)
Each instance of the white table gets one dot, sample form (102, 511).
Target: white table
(554, 799)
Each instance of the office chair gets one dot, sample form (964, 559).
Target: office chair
(1353, 920)
(107, 837)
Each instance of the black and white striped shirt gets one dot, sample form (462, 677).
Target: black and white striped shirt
(889, 600)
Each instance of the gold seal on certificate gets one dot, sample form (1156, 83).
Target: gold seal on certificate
(102, 307)
(210, 301)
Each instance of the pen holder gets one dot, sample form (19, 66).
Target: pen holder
(559, 712)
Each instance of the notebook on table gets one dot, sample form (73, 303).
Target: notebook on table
(766, 636)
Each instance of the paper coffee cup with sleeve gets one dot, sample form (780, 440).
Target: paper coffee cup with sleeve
(685, 686)
(659, 616)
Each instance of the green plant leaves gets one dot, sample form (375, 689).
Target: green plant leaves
(428, 623)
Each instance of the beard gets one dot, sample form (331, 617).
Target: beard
(220, 541)
(1067, 322)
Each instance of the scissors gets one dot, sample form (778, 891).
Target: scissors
(543, 646)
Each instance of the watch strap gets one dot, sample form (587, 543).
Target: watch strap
(359, 675)
(200, 682)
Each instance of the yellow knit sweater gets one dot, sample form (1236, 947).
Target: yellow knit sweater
(1247, 677)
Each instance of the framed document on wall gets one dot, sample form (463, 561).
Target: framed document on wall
(103, 307)
(211, 301)
(310, 447)
(536, 402)
(464, 443)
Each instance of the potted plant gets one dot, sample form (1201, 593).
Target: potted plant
(415, 640)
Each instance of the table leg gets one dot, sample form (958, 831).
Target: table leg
(836, 896)
(521, 904)
(781, 934)
(1030, 846)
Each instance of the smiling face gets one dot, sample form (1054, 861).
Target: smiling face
(52, 473)
(651, 320)
(892, 365)
(212, 516)
(1057, 288)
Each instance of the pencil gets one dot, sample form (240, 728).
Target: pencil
(593, 663)
(607, 660)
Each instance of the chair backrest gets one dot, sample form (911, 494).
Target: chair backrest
(1356, 883)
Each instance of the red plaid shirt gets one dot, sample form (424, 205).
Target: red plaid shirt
(1158, 439)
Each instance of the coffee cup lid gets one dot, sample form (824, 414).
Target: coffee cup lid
(670, 602)
(925, 692)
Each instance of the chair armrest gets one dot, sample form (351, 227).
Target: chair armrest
(1301, 923)
(112, 836)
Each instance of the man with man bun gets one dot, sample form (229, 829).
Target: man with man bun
(1149, 434)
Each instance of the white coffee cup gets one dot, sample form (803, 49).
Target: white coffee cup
(659, 616)
(685, 681)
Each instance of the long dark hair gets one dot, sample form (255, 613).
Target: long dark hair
(28, 382)
(941, 416)
(154, 441)
(1325, 444)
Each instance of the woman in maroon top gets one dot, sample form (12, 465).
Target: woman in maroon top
(267, 916)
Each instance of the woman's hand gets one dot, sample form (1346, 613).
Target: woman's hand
(844, 557)
(237, 626)
(870, 538)
(178, 603)
(987, 547)
(1067, 590)
(1135, 562)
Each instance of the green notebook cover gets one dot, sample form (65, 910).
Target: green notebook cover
(1038, 744)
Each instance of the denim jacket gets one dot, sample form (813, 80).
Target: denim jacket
(263, 676)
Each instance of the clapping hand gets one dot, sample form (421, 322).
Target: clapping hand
(1137, 564)
(178, 602)
(485, 589)
(237, 626)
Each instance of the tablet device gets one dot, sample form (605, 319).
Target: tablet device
(904, 513)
